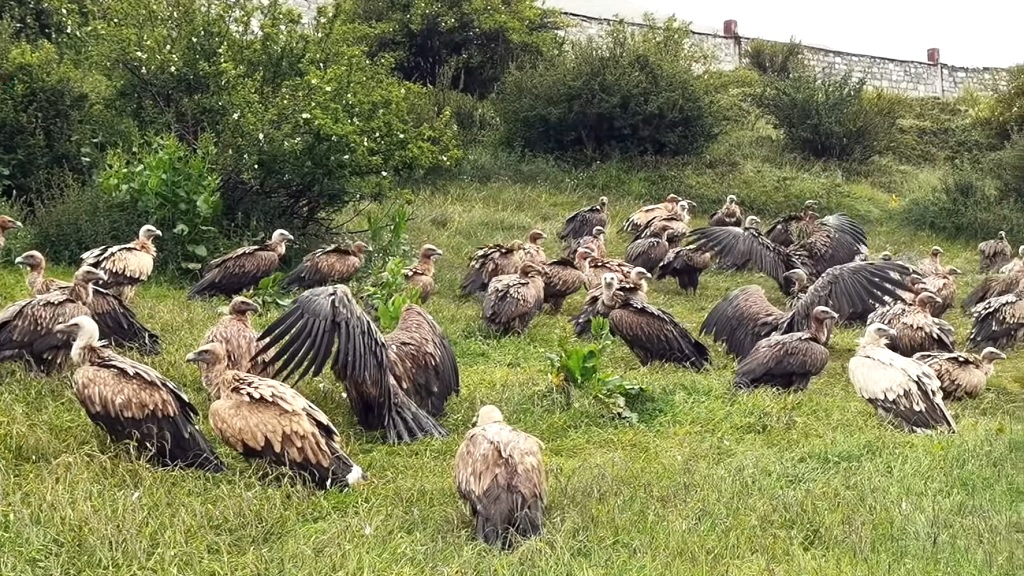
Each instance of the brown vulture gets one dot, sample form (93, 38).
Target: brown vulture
(675, 224)
(1014, 264)
(994, 254)
(234, 331)
(746, 315)
(583, 221)
(651, 334)
(6, 224)
(685, 265)
(563, 278)
(914, 328)
(38, 283)
(598, 267)
(963, 375)
(902, 390)
(836, 240)
(499, 473)
(593, 242)
(933, 265)
(944, 286)
(635, 288)
(512, 300)
(651, 246)
(638, 219)
(792, 228)
(491, 261)
(788, 361)
(242, 269)
(532, 250)
(126, 265)
(329, 265)
(998, 322)
(992, 286)
(395, 383)
(268, 420)
(421, 274)
(728, 215)
(134, 403)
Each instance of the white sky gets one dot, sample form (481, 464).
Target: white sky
(975, 33)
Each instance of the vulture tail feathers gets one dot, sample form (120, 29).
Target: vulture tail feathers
(407, 422)
(504, 522)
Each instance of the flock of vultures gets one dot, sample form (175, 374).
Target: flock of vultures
(906, 365)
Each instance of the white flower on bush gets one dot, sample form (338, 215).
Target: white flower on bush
(304, 116)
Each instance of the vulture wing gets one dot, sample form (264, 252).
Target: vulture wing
(837, 240)
(992, 286)
(743, 249)
(422, 360)
(782, 231)
(582, 222)
(27, 330)
(236, 272)
(119, 325)
(654, 335)
(853, 290)
(685, 265)
(998, 322)
(561, 280)
(331, 264)
(900, 387)
(124, 265)
(742, 319)
(786, 361)
(646, 253)
(510, 303)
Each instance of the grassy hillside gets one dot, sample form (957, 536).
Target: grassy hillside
(709, 482)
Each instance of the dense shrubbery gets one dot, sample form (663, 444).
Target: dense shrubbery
(1007, 113)
(934, 131)
(775, 59)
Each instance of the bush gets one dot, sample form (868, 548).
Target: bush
(1007, 115)
(936, 131)
(776, 59)
(632, 92)
(965, 205)
(49, 20)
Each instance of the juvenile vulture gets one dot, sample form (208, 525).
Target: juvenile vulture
(563, 278)
(582, 222)
(268, 420)
(234, 332)
(1014, 264)
(38, 283)
(638, 219)
(992, 286)
(944, 286)
(134, 403)
(913, 327)
(994, 254)
(933, 265)
(746, 315)
(792, 228)
(652, 334)
(421, 274)
(648, 251)
(126, 265)
(998, 322)
(593, 242)
(633, 288)
(685, 265)
(512, 300)
(394, 383)
(491, 261)
(902, 390)
(242, 269)
(328, 265)
(963, 375)
(499, 473)
(728, 215)
(6, 224)
(532, 250)
(788, 361)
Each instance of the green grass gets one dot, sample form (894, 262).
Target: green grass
(709, 482)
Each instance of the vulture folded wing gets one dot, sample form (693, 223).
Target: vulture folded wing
(997, 322)
(646, 253)
(782, 357)
(962, 375)
(124, 265)
(236, 272)
(422, 360)
(654, 335)
(582, 222)
(743, 249)
(741, 319)
(782, 230)
(323, 266)
(119, 324)
(27, 330)
(902, 388)
(853, 290)
(509, 300)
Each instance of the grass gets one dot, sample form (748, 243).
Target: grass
(709, 482)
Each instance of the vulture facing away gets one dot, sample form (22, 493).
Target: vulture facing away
(593, 242)
(994, 254)
(641, 217)
(7, 224)
(1014, 264)
(394, 383)
(685, 265)
(944, 286)
(512, 300)
(994, 285)
(489, 262)
(132, 402)
(265, 419)
(902, 390)
(650, 247)
(963, 375)
(38, 283)
(242, 269)
(583, 221)
(234, 332)
(126, 265)
(532, 250)
(913, 327)
(499, 473)
(563, 278)
(421, 274)
(329, 265)
(788, 361)
(728, 215)
(792, 228)
(998, 322)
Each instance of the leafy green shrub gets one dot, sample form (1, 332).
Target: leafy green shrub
(631, 92)
(936, 131)
(1007, 114)
(775, 59)
(965, 205)
(49, 20)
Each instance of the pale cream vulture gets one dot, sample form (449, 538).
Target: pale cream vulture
(563, 278)
(35, 265)
(234, 332)
(499, 473)
(638, 219)
(581, 222)
(902, 390)
(634, 287)
(268, 420)
(994, 254)
(7, 224)
(963, 375)
(134, 403)
(421, 274)
(126, 265)
(242, 269)
(332, 264)
(491, 261)
(513, 300)
(729, 214)
(788, 361)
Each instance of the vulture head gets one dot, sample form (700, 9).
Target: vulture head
(796, 279)
(915, 282)
(429, 251)
(824, 313)
(952, 271)
(32, 260)
(1002, 235)
(925, 300)
(885, 256)
(637, 275)
(241, 306)
(516, 245)
(752, 222)
(990, 355)
(810, 205)
(598, 232)
(148, 232)
(536, 236)
(360, 247)
(1020, 251)
(88, 275)
(877, 334)
(8, 223)
(936, 250)
(730, 199)
(281, 236)
(209, 356)
(602, 203)
(673, 199)
(530, 270)
(488, 414)
(609, 283)
(82, 329)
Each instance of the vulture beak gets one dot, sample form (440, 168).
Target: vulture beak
(19, 261)
(66, 328)
(367, 249)
(158, 233)
(832, 314)
(999, 355)
(192, 358)
(438, 253)
(18, 224)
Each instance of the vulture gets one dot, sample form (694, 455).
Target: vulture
(38, 283)
(944, 286)
(638, 219)
(512, 300)
(27, 326)
(836, 240)
(998, 322)
(994, 254)
(593, 242)
(134, 403)
(328, 265)
(885, 256)
(563, 278)
(792, 228)
(396, 383)
(7, 223)
(491, 261)
(788, 361)
(902, 390)
(934, 263)
(598, 267)
(532, 250)
(235, 333)
(265, 419)
(648, 251)
(635, 288)
(126, 265)
(499, 473)
(652, 334)
(685, 265)
(242, 269)
(962, 375)
(994, 285)
(914, 329)
(1014, 264)
(728, 215)
(746, 316)
(421, 274)
(583, 221)
(676, 225)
